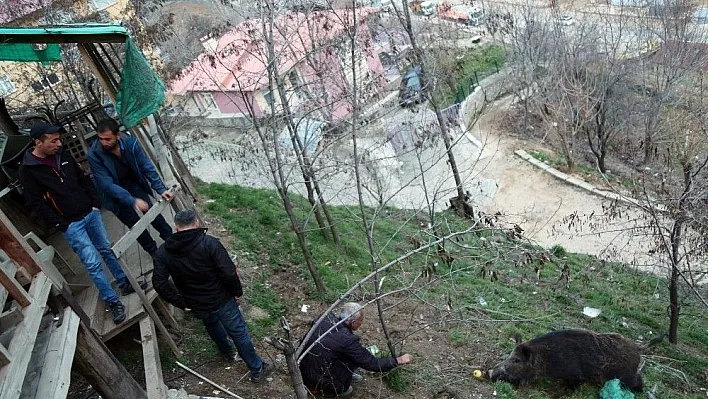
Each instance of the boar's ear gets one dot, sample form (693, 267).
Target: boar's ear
(525, 352)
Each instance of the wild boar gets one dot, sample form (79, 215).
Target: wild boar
(575, 357)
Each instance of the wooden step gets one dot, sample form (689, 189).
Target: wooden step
(12, 375)
(49, 372)
(134, 312)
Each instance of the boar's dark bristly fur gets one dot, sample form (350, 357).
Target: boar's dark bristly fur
(575, 357)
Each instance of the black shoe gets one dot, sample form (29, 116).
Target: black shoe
(231, 357)
(118, 312)
(357, 378)
(266, 370)
(128, 289)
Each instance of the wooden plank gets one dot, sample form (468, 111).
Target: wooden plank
(9, 268)
(16, 247)
(12, 376)
(88, 301)
(55, 378)
(5, 356)
(167, 312)
(148, 307)
(14, 289)
(134, 312)
(131, 235)
(154, 382)
(102, 370)
(10, 318)
(39, 353)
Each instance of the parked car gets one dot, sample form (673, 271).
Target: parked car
(411, 91)
(566, 20)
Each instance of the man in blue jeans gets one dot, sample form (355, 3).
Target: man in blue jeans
(125, 178)
(60, 192)
(207, 285)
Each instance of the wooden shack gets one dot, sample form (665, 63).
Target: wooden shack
(52, 316)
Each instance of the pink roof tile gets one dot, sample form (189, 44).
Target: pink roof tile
(239, 60)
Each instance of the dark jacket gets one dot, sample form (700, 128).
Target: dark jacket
(60, 196)
(204, 276)
(329, 365)
(104, 172)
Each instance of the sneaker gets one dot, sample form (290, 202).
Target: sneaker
(357, 378)
(266, 370)
(231, 357)
(118, 312)
(128, 289)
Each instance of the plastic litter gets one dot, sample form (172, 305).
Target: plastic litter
(613, 390)
(591, 312)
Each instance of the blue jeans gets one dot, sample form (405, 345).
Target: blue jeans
(226, 322)
(89, 240)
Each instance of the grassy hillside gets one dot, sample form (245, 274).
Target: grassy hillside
(457, 317)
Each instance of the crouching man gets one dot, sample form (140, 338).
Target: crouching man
(329, 367)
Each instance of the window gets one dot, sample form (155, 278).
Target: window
(46, 82)
(205, 101)
(6, 86)
(98, 5)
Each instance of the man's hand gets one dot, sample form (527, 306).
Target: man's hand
(404, 359)
(238, 299)
(167, 196)
(141, 205)
(187, 309)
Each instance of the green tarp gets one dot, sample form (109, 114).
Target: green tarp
(25, 52)
(142, 92)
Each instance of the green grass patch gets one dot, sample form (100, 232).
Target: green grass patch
(467, 70)
(486, 266)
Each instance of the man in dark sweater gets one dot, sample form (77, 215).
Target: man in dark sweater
(56, 188)
(207, 285)
(328, 368)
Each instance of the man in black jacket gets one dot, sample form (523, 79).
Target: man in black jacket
(328, 368)
(56, 188)
(206, 284)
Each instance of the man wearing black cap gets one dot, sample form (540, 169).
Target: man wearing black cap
(56, 187)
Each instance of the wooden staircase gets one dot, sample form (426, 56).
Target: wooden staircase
(39, 347)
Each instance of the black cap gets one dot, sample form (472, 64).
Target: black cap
(40, 129)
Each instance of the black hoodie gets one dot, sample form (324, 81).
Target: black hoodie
(59, 195)
(203, 273)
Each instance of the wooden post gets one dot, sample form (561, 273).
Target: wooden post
(154, 381)
(16, 247)
(102, 370)
(149, 309)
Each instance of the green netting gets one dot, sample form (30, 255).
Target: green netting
(141, 90)
(26, 52)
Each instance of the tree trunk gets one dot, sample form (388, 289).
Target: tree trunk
(368, 230)
(102, 370)
(674, 307)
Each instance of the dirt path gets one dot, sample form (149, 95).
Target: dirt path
(539, 202)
